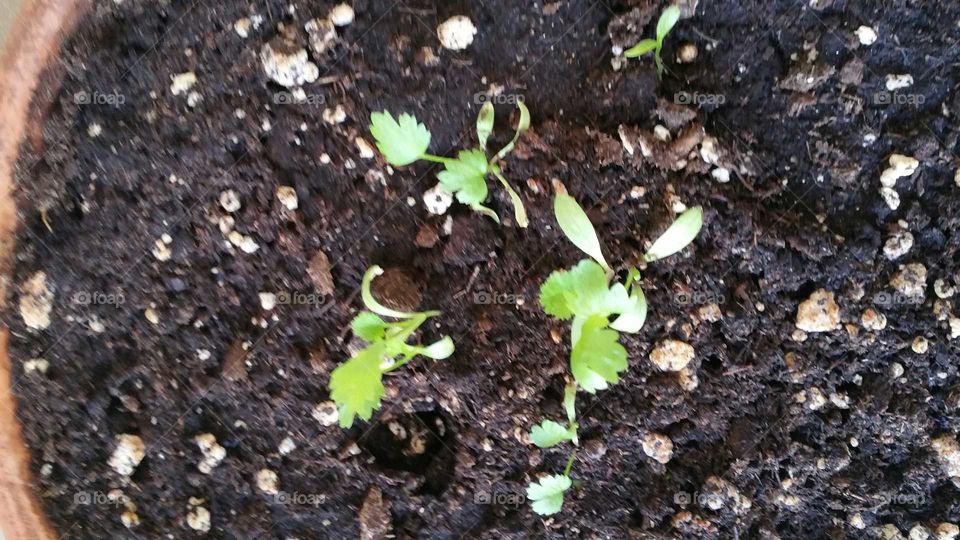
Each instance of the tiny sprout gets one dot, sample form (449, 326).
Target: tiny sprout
(406, 141)
(667, 20)
(356, 386)
(547, 495)
(599, 311)
(550, 433)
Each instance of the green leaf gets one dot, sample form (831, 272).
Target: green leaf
(582, 292)
(597, 358)
(485, 124)
(576, 225)
(371, 302)
(368, 326)
(549, 433)
(357, 386)
(438, 350)
(668, 19)
(547, 495)
(590, 294)
(523, 124)
(641, 48)
(401, 143)
(481, 209)
(633, 313)
(569, 401)
(464, 176)
(677, 236)
(574, 292)
(659, 62)
(554, 293)
(518, 209)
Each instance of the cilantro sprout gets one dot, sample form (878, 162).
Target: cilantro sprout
(547, 495)
(406, 141)
(356, 386)
(598, 310)
(668, 19)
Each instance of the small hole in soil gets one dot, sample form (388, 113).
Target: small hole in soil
(420, 442)
(808, 435)
(713, 365)
(119, 418)
(200, 421)
(681, 430)
(274, 389)
(804, 292)
(142, 473)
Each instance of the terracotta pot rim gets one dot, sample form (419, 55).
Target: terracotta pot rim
(36, 36)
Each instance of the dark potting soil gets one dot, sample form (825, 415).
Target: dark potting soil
(157, 328)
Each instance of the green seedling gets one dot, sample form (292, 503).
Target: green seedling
(668, 19)
(547, 494)
(599, 311)
(356, 386)
(405, 141)
(549, 433)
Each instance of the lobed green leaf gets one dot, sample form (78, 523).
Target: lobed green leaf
(401, 143)
(554, 293)
(369, 326)
(464, 177)
(574, 292)
(597, 357)
(549, 433)
(356, 386)
(547, 495)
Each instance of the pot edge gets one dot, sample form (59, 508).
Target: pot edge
(36, 36)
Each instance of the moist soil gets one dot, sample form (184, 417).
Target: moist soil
(776, 432)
